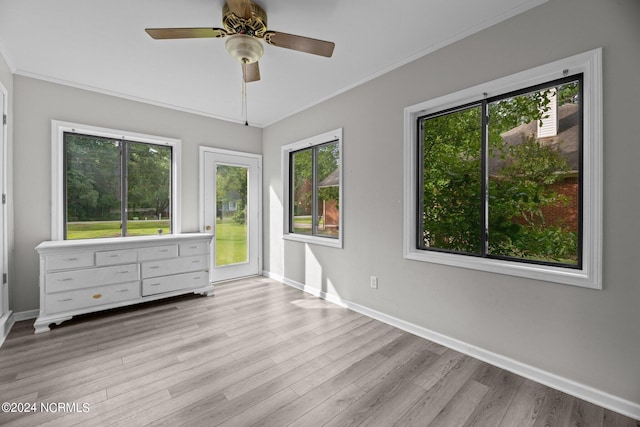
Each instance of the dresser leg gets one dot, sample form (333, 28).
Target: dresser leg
(207, 292)
(42, 324)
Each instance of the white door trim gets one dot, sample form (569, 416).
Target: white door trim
(202, 204)
(6, 318)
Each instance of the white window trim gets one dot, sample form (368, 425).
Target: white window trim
(334, 135)
(58, 128)
(590, 275)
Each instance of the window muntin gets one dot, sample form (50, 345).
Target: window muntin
(506, 183)
(115, 187)
(312, 189)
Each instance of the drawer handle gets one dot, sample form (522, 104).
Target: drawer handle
(114, 256)
(65, 279)
(97, 296)
(153, 267)
(163, 250)
(154, 284)
(123, 271)
(193, 247)
(196, 261)
(123, 290)
(65, 300)
(196, 278)
(71, 259)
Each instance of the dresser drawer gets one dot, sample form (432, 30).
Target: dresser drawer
(122, 256)
(157, 252)
(174, 266)
(158, 285)
(81, 298)
(78, 279)
(194, 248)
(70, 260)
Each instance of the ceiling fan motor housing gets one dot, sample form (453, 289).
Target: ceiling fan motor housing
(256, 25)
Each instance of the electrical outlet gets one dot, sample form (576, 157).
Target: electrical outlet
(373, 281)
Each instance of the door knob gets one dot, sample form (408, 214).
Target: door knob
(208, 228)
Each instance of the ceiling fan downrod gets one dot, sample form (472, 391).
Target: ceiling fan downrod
(244, 96)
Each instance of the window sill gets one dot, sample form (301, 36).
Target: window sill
(585, 278)
(315, 240)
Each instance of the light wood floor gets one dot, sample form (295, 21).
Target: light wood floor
(261, 353)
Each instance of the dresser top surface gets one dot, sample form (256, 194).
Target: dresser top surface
(120, 242)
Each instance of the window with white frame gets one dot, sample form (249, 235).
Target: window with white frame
(312, 177)
(506, 176)
(109, 183)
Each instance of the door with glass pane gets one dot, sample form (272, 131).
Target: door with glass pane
(230, 185)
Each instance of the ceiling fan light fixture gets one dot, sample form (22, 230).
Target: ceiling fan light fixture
(245, 49)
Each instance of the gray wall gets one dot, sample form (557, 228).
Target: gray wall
(5, 74)
(37, 102)
(588, 336)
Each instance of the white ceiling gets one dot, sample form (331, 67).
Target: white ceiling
(102, 46)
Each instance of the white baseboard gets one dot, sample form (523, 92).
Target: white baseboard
(26, 315)
(581, 391)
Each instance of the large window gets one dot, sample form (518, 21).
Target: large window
(313, 187)
(506, 176)
(502, 178)
(112, 184)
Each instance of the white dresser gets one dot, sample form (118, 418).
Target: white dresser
(82, 276)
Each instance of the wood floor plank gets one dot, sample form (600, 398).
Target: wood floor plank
(612, 419)
(526, 405)
(442, 366)
(194, 390)
(356, 368)
(318, 395)
(390, 399)
(239, 404)
(585, 414)
(261, 353)
(331, 407)
(433, 400)
(115, 409)
(256, 413)
(503, 388)
(461, 405)
(374, 342)
(397, 353)
(557, 409)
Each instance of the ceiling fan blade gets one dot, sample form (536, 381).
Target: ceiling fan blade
(251, 72)
(241, 8)
(185, 33)
(302, 44)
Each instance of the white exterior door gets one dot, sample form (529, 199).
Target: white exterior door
(230, 205)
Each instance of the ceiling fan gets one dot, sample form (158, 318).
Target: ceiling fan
(244, 24)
